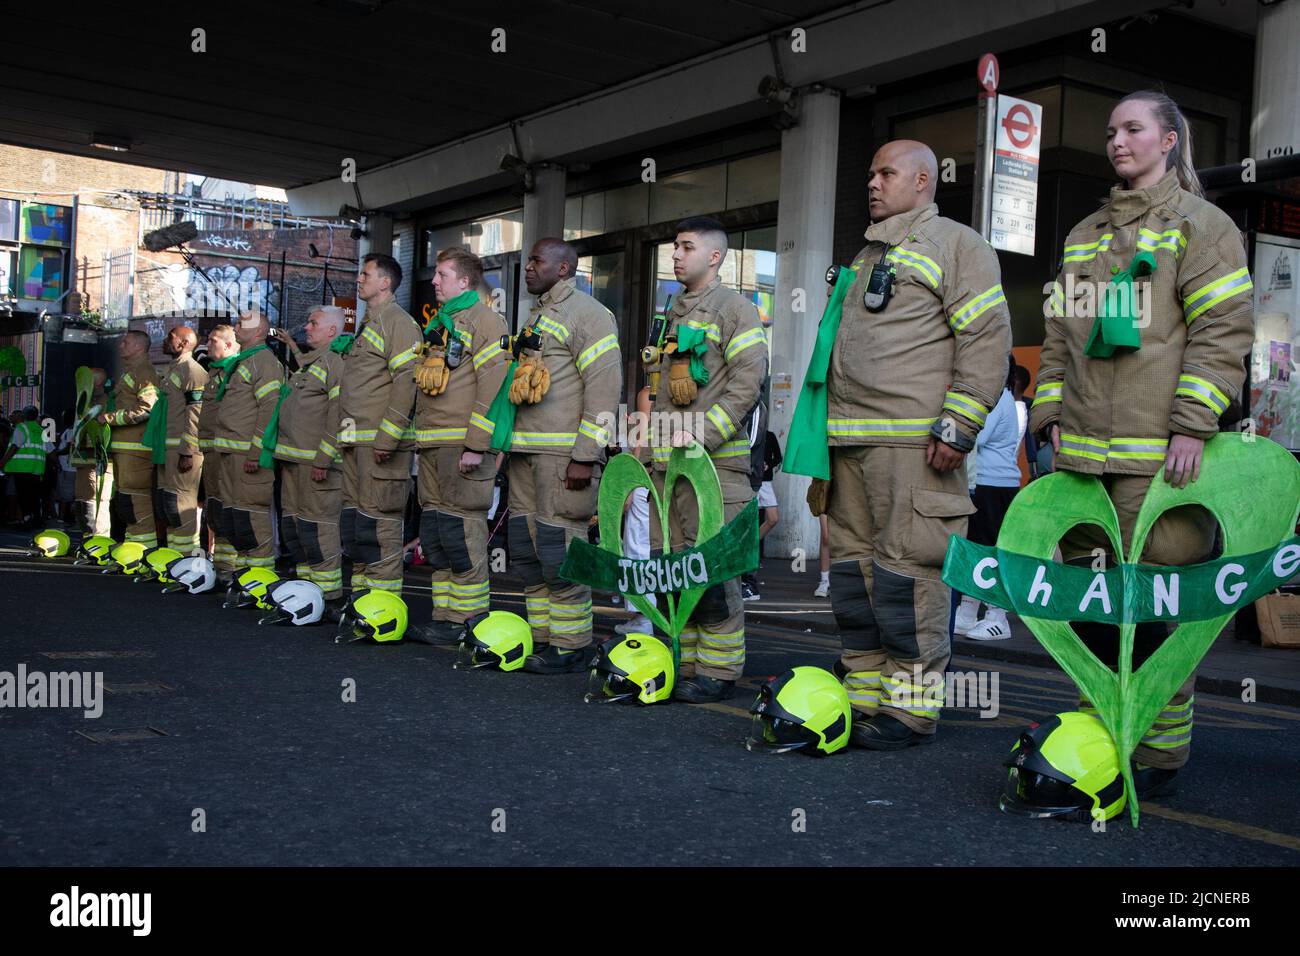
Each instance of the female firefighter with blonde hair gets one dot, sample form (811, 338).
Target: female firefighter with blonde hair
(1135, 395)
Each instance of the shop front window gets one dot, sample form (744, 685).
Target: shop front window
(602, 277)
(489, 236)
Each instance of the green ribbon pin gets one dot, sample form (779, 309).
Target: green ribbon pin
(720, 553)
(1237, 473)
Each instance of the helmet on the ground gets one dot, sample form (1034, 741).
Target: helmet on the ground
(375, 614)
(1065, 767)
(127, 556)
(156, 562)
(806, 708)
(193, 574)
(51, 543)
(252, 584)
(497, 639)
(635, 667)
(294, 602)
(95, 549)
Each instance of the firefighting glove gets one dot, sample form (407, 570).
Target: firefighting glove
(819, 496)
(432, 374)
(681, 387)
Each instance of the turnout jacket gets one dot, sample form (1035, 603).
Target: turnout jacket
(136, 393)
(378, 389)
(207, 420)
(1116, 414)
(245, 410)
(580, 351)
(184, 384)
(933, 361)
(736, 359)
(309, 414)
(459, 415)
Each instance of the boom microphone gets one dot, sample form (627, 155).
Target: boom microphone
(176, 234)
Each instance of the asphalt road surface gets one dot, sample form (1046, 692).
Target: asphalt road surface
(225, 743)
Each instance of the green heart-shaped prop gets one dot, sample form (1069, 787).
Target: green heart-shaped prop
(1238, 475)
(720, 553)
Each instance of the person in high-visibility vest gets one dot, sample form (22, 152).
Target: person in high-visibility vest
(24, 459)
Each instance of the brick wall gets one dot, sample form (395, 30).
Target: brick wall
(236, 260)
(105, 223)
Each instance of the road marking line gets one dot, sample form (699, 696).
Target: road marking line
(1230, 827)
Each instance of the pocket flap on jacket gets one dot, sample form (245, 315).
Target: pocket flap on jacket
(941, 504)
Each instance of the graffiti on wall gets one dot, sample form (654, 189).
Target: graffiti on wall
(246, 288)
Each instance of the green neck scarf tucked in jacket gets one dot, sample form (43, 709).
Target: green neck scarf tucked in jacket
(227, 367)
(155, 433)
(444, 317)
(1116, 327)
(694, 342)
(806, 450)
(271, 436)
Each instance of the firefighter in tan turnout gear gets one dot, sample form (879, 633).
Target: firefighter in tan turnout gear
(311, 482)
(221, 346)
(719, 330)
(374, 429)
(1138, 413)
(917, 364)
(559, 439)
(137, 391)
(458, 378)
(246, 399)
(183, 384)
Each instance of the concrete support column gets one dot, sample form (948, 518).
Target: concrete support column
(1275, 127)
(543, 217)
(378, 238)
(804, 242)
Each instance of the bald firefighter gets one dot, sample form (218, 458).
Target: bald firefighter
(708, 392)
(221, 346)
(136, 393)
(376, 398)
(311, 480)
(918, 362)
(178, 477)
(559, 439)
(459, 376)
(246, 400)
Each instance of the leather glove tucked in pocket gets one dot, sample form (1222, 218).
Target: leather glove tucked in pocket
(432, 374)
(681, 387)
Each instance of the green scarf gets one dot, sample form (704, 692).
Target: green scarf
(271, 437)
(694, 342)
(1116, 327)
(155, 433)
(502, 413)
(342, 344)
(227, 367)
(806, 450)
(443, 317)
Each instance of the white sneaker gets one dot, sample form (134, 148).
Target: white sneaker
(637, 625)
(994, 627)
(967, 617)
(823, 589)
